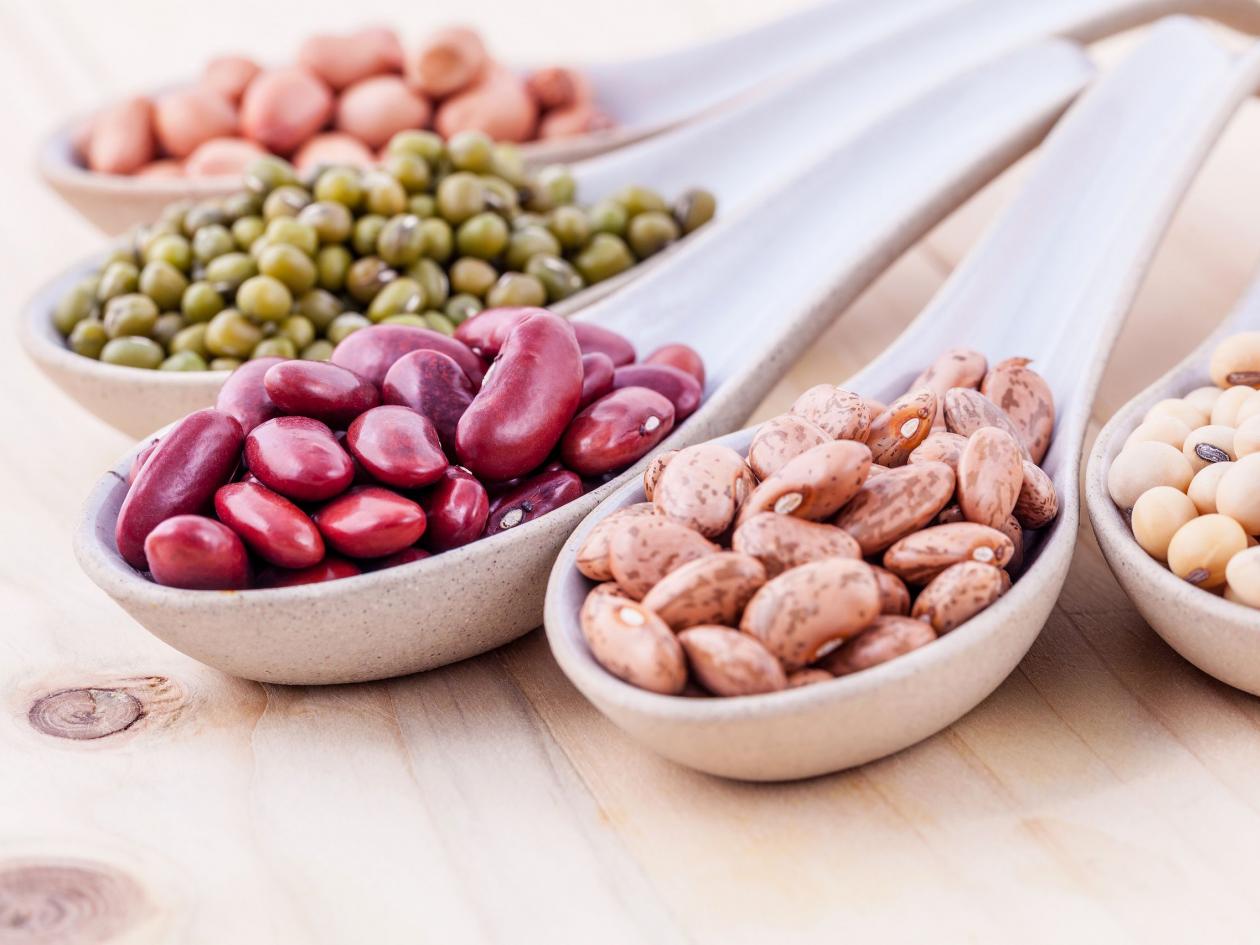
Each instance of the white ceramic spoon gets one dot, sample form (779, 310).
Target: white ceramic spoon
(1052, 280)
(749, 305)
(1220, 637)
(740, 154)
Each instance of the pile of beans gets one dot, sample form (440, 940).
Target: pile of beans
(296, 262)
(850, 534)
(1188, 477)
(407, 444)
(343, 99)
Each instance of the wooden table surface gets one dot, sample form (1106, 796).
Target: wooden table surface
(1108, 791)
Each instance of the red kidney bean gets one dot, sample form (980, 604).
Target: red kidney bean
(431, 383)
(197, 553)
(406, 556)
(299, 458)
(455, 510)
(528, 398)
(680, 356)
(138, 461)
(370, 522)
(592, 338)
(597, 377)
(496, 488)
(243, 396)
(397, 446)
(535, 496)
(371, 352)
(683, 390)
(486, 331)
(331, 568)
(616, 430)
(198, 455)
(276, 529)
(320, 390)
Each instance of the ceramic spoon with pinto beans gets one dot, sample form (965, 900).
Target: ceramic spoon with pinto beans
(1220, 637)
(749, 305)
(1052, 280)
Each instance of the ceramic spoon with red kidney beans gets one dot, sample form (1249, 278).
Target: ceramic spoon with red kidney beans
(408, 443)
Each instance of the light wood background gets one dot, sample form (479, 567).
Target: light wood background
(1106, 792)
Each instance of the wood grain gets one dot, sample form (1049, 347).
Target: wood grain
(1106, 792)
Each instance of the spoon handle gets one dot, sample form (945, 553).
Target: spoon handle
(1055, 275)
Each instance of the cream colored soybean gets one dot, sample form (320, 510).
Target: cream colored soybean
(1144, 466)
(1201, 549)
(1203, 486)
(1238, 493)
(1162, 428)
(1242, 576)
(1157, 515)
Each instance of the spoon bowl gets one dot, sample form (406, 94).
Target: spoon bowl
(895, 181)
(1220, 637)
(1053, 279)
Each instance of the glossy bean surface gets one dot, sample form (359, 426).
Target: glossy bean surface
(197, 553)
(597, 378)
(593, 338)
(370, 522)
(683, 390)
(397, 446)
(680, 356)
(616, 430)
(276, 529)
(299, 458)
(243, 396)
(371, 352)
(320, 390)
(486, 331)
(456, 509)
(533, 497)
(332, 568)
(433, 384)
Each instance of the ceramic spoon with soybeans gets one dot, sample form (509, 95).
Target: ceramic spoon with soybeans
(894, 181)
(1052, 280)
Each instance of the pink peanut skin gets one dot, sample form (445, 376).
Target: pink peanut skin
(277, 530)
(431, 383)
(320, 390)
(456, 509)
(198, 455)
(682, 390)
(243, 396)
(526, 402)
(533, 497)
(616, 430)
(281, 108)
(371, 352)
(299, 458)
(198, 554)
(397, 446)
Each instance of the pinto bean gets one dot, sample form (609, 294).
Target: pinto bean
(729, 663)
(781, 439)
(814, 485)
(713, 588)
(703, 488)
(887, 637)
(645, 548)
(1025, 397)
(895, 503)
(990, 475)
(957, 594)
(843, 415)
(592, 556)
(632, 643)
(896, 432)
(921, 556)
(781, 542)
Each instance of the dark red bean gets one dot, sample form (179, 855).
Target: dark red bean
(197, 553)
(593, 338)
(615, 431)
(276, 529)
(431, 383)
(371, 352)
(331, 568)
(397, 446)
(320, 390)
(455, 510)
(680, 356)
(528, 398)
(243, 397)
(536, 496)
(406, 556)
(597, 378)
(486, 331)
(682, 390)
(138, 461)
(370, 522)
(299, 458)
(198, 455)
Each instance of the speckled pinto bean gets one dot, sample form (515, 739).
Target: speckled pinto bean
(814, 485)
(703, 488)
(597, 377)
(729, 663)
(198, 455)
(803, 610)
(781, 542)
(299, 458)
(888, 637)
(941, 446)
(243, 396)
(645, 548)
(894, 504)
(652, 474)
(990, 476)
(486, 331)
(526, 401)
(957, 594)
(920, 557)
(371, 352)
(1025, 397)
(967, 411)
(896, 432)
(197, 553)
(781, 439)
(320, 390)
(455, 509)
(957, 367)
(633, 643)
(592, 556)
(276, 529)
(711, 589)
(593, 338)
(1038, 502)
(616, 430)
(894, 596)
(433, 384)
(843, 415)
(532, 498)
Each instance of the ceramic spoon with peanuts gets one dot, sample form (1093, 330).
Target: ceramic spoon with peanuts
(749, 305)
(1052, 280)
(1219, 636)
